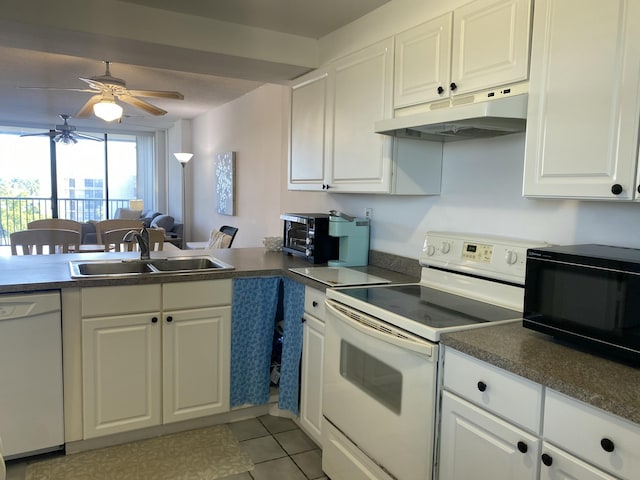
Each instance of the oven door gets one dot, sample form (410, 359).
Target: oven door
(380, 393)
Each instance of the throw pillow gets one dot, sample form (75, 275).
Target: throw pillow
(219, 239)
(163, 221)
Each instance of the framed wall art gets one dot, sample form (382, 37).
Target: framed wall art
(225, 182)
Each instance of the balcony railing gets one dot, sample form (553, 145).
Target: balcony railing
(17, 212)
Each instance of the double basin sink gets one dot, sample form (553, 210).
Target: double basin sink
(154, 266)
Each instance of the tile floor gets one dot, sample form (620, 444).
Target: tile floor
(276, 445)
(279, 450)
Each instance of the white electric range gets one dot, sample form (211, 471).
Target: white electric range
(381, 352)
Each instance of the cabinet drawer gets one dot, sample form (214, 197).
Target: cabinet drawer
(505, 394)
(586, 432)
(121, 299)
(314, 303)
(207, 293)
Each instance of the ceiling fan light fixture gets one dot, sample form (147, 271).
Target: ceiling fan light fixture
(65, 140)
(108, 110)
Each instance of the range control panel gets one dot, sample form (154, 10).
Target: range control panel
(500, 258)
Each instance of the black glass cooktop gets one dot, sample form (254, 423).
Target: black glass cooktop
(431, 307)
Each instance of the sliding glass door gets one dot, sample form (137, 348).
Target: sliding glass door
(88, 180)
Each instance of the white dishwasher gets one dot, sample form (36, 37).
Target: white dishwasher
(31, 408)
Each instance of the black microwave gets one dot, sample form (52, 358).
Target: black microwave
(307, 235)
(586, 294)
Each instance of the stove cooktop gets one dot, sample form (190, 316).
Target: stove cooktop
(339, 276)
(430, 307)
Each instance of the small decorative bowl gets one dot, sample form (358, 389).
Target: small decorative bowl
(272, 244)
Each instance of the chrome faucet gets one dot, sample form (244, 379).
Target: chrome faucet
(142, 237)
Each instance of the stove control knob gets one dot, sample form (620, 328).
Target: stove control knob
(431, 250)
(445, 247)
(511, 257)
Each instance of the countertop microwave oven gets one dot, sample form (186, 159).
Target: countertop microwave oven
(588, 295)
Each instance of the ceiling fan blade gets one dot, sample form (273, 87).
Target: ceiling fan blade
(86, 137)
(146, 106)
(156, 93)
(87, 108)
(96, 85)
(50, 134)
(59, 89)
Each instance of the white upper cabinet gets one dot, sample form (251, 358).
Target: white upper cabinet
(478, 46)
(309, 136)
(423, 62)
(361, 159)
(584, 103)
(333, 146)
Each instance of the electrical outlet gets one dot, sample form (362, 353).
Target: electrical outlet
(368, 212)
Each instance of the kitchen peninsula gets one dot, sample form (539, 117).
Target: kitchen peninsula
(606, 385)
(166, 339)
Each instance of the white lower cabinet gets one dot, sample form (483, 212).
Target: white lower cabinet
(487, 430)
(606, 441)
(476, 444)
(312, 361)
(154, 354)
(559, 465)
(490, 422)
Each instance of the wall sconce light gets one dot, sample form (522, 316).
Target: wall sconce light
(107, 109)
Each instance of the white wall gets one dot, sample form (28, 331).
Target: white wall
(254, 126)
(481, 179)
(481, 189)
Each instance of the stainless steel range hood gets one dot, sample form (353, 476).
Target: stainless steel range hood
(491, 118)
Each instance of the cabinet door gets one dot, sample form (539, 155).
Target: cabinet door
(490, 44)
(309, 134)
(312, 375)
(475, 444)
(361, 159)
(423, 62)
(196, 362)
(121, 373)
(584, 105)
(559, 465)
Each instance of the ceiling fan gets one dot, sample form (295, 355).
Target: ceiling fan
(65, 133)
(108, 88)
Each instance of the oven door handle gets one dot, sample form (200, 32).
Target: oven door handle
(375, 328)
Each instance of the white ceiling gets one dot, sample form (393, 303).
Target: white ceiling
(33, 55)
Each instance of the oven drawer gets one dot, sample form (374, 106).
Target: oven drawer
(588, 433)
(505, 394)
(342, 460)
(314, 303)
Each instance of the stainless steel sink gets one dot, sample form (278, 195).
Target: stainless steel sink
(186, 264)
(158, 266)
(112, 268)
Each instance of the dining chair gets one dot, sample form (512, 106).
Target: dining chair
(116, 224)
(56, 223)
(113, 240)
(34, 241)
(231, 231)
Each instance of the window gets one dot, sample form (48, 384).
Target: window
(88, 180)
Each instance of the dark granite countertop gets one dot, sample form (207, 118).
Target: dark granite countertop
(46, 272)
(603, 383)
